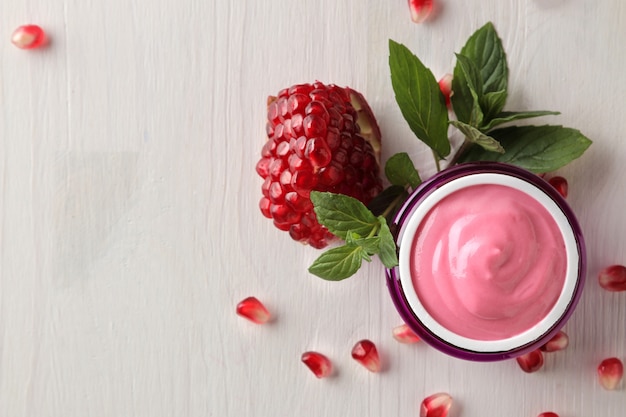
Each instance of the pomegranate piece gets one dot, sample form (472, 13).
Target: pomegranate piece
(559, 342)
(365, 353)
(253, 310)
(319, 138)
(404, 334)
(560, 184)
(613, 278)
(319, 364)
(548, 414)
(610, 372)
(28, 37)
(420, 10)
(531, 362)
(436, 405)
(445, 85)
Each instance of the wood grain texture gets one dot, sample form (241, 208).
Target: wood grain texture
(129, 226)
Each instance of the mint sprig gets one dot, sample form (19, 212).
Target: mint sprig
(364, 234)
(479, 93)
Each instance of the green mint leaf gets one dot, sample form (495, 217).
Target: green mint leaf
(510, 116)
(476, 136)
(421, 102)
(341, 214)
(387, 245)
(400, 170)
(338, 263)
(536, 148)
(391, 195)
(484, 49)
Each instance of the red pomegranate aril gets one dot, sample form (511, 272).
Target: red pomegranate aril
(276, 168)
(263, 167)
(297, 202)
(366, 353)
(610, 372)
(319, 364)
(264, 205)
(420, 10)
(254, 310)
(314, 126)
(265, 188)
(268, 148)
(548, 414)
(303, 182)
(317, 152)
(282, 149)
(300, 89)
(283, 215)
(297, 103)
(331, 175)
(333, 138)
(296, 124)
(559, 184)
(356, 158)
(613, 278)
(299, 232)
(560, 341)
(285, 180)
(28, 37)
(531, 362)
(436, 405)
(283, 108)
(404, 334)
(276, 193)
(445, 85)
(317, 108)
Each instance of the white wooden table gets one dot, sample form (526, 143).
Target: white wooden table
(129, 226)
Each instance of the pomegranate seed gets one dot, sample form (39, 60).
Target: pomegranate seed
(365, 353)
(436, 405)
(420, 10)
(445, 85)
(558, 342)
(28, 37)
(560, 184)
(610, 372)
(613, 278)
(253, 310)
(548, 414)
(404, 334)
(319, 364)
(531, 361)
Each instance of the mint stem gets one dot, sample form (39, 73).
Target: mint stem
(437, 164)
(459, 153)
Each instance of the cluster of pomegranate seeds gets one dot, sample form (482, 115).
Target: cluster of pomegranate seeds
(319, 364)
(253, 310)
(560, 341)
(613, 278)
(560, 184)
(366, 353)
(404, 334)
(445, 85)
(323, 138)
(28, 37)
(436, 405)
(531, 362)
(420, 10)
(548, 414)
(610, 373)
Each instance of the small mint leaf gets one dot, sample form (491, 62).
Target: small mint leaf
(421, 102)
(510, 116)
(484, 50)
(387, 248)
(341, 214)
(476, 136)
(400, 170)
(338, 263)
(535, 148)
(370, 245)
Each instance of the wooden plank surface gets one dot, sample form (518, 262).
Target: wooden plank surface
(129, 226)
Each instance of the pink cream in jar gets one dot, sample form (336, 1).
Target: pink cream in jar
(491, 261)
